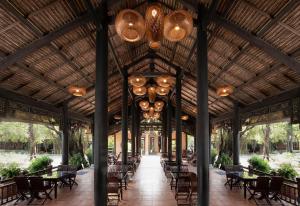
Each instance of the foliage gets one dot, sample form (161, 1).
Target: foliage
(286, 170)
(89, 154)
(259, 164)
(213, 155)
(223, 161)
(39, 163)
(10, 170)
(13, 132)
(78, 160)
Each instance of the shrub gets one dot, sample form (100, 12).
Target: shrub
(39, 163)
(286, 170)
(89, 154)
(10, 170)
(78, 160)
(223, 161)
(259, 164)
(213, 155)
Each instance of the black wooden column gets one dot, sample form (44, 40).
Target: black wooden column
(138, 138)
(93, 138)
(169, 128)
(101, 106)
(210, 133)
(125, 118)
(178, 119)
(65, 142)
(202, 111)
(133, 124)
(236, 139)
(165, 133)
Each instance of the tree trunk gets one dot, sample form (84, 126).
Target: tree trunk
(31, 141)
(289, 144)
(266, 145)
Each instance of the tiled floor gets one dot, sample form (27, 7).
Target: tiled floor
(148, 187)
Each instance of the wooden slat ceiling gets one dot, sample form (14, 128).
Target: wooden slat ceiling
(49, 45)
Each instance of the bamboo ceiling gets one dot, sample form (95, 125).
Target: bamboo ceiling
(48, 45)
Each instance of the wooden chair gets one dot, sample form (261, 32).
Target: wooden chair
(182, 188)
(37, 185)
(275, 187)
(23, 188)
(261, 187)
(113, 187)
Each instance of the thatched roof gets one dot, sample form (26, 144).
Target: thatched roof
(49, 45)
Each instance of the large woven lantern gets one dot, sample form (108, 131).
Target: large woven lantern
(178, 25)
(224, 91)
(162, 90)
(130, 25)
(137, 80)
(77, 91)
(164, 80)
(151, 94)
(144, 105)
(154, 18)
(139, 91)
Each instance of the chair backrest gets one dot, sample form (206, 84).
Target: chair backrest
(237, 168)
(36, 183)
(22, 183)
(112, 179)
(63, 168)
(262, 183)
(276, 183)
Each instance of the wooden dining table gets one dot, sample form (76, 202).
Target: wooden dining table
(58, 176)
(245, 177)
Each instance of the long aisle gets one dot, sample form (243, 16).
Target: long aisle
(149, 186)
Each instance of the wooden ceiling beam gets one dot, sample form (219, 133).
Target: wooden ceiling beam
(259, 43)
(43, 41)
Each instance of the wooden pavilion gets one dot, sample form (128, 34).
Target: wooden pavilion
(48, 46)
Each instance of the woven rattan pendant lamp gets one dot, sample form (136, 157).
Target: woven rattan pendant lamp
(178, 25)
(154, 18)
(130, 25)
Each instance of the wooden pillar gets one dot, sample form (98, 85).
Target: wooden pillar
(66, 128)
(165, 136)
(210, 132)
(133, 124)
(101, 106)
(236, 138)
(178, 119)
(138, 136)
(93, 138)
(125, 118)
(169, 128)
(202, 110)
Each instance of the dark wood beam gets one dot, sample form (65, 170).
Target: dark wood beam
(12, 96)
(43, 41)
(282, 97)
(259, 43)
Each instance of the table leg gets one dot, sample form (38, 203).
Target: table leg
(55, 189)
(245, 189)
(121, 189)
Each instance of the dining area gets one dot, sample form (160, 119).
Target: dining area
(41, 187)
(268, 189)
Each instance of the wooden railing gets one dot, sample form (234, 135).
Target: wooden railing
(289, 190)
(8, 188)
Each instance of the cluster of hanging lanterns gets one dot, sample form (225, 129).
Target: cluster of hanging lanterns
(139, 88)
(224, 91)
(151, 111)
(131, 26)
